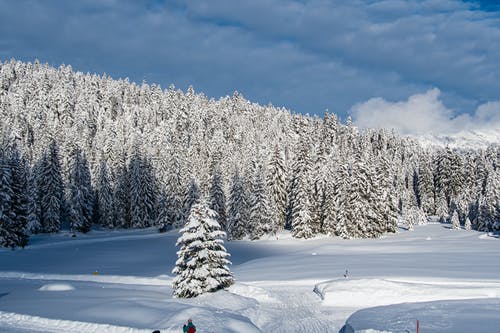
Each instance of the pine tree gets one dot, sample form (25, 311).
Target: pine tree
(238, 212)
(468, 224)
(105, 197)
(318, 195)
(388, 197)
(52, 190)
(121, 195)
(425, 188)
(276, 182)
(218, 198)
(442, 207)
(455, 222)
(202, 265)
(340, 201)
(173, 195)
(20, 199)
(260, 214)
(488, 202)
(300, 196)
(191, 197)
(442, 181)
(81, 198)
(33, 223)
(330, 209)
(143, 192)
(7, 215)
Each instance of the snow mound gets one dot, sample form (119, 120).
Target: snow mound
(57, 287)
(489, 236)
(257, 293)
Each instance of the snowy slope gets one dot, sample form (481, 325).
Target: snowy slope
(283, 285)
(450, 316)
(461, 140)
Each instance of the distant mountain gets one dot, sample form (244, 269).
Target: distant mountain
(462, 140)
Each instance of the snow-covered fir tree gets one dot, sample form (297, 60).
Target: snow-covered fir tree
(51, 190)
(238, 214)
(172, 199)
(7, 215)
(260, 214)
(104, 193)
(467, 224)
(33, 223)
(143, 192)
(455, 222)
(80, 197)
(121, 194)
(20, 196)
(300, 195)
(276, 182)
(191, 196)
(202, 265)
(218, 198)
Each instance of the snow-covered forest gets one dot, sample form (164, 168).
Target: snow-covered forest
(79, 150)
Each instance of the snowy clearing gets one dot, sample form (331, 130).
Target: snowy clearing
(122, 282)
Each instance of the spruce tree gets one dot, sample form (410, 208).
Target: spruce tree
(105, 197)
(238, 213)
(33, 223)
(20, 196)
(173, 195)
(51, 190)
(121, 194)
(143, 192)
(218, 198)
(330, 209)
(468, 224)
(425, 188)
(7, 215)
(202, 265)
(260, 215)
(318, 195)
(300, 197)
(81, 198)
(455, 222)
(276, 182)
(340, 201)
(191, 196)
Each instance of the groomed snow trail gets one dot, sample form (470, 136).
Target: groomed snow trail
(293, 309)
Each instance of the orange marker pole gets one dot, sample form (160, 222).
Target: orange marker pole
(418, 327)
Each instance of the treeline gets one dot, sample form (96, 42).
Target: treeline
(86, 149)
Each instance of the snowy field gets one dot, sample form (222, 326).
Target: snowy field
(110, 281)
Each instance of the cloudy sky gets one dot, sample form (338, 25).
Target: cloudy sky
(393, 63)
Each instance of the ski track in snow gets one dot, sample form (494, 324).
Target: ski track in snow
(296, 312)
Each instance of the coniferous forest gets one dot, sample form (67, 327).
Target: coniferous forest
(83, 150)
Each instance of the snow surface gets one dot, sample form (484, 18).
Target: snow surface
(119, 281)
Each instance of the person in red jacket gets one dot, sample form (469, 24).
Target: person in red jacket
(189, 328)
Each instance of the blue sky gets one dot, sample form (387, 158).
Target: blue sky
(307, 56)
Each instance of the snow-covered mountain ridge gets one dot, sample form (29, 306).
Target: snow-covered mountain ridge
(472, 139)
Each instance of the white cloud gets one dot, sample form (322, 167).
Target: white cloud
(424, 114)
